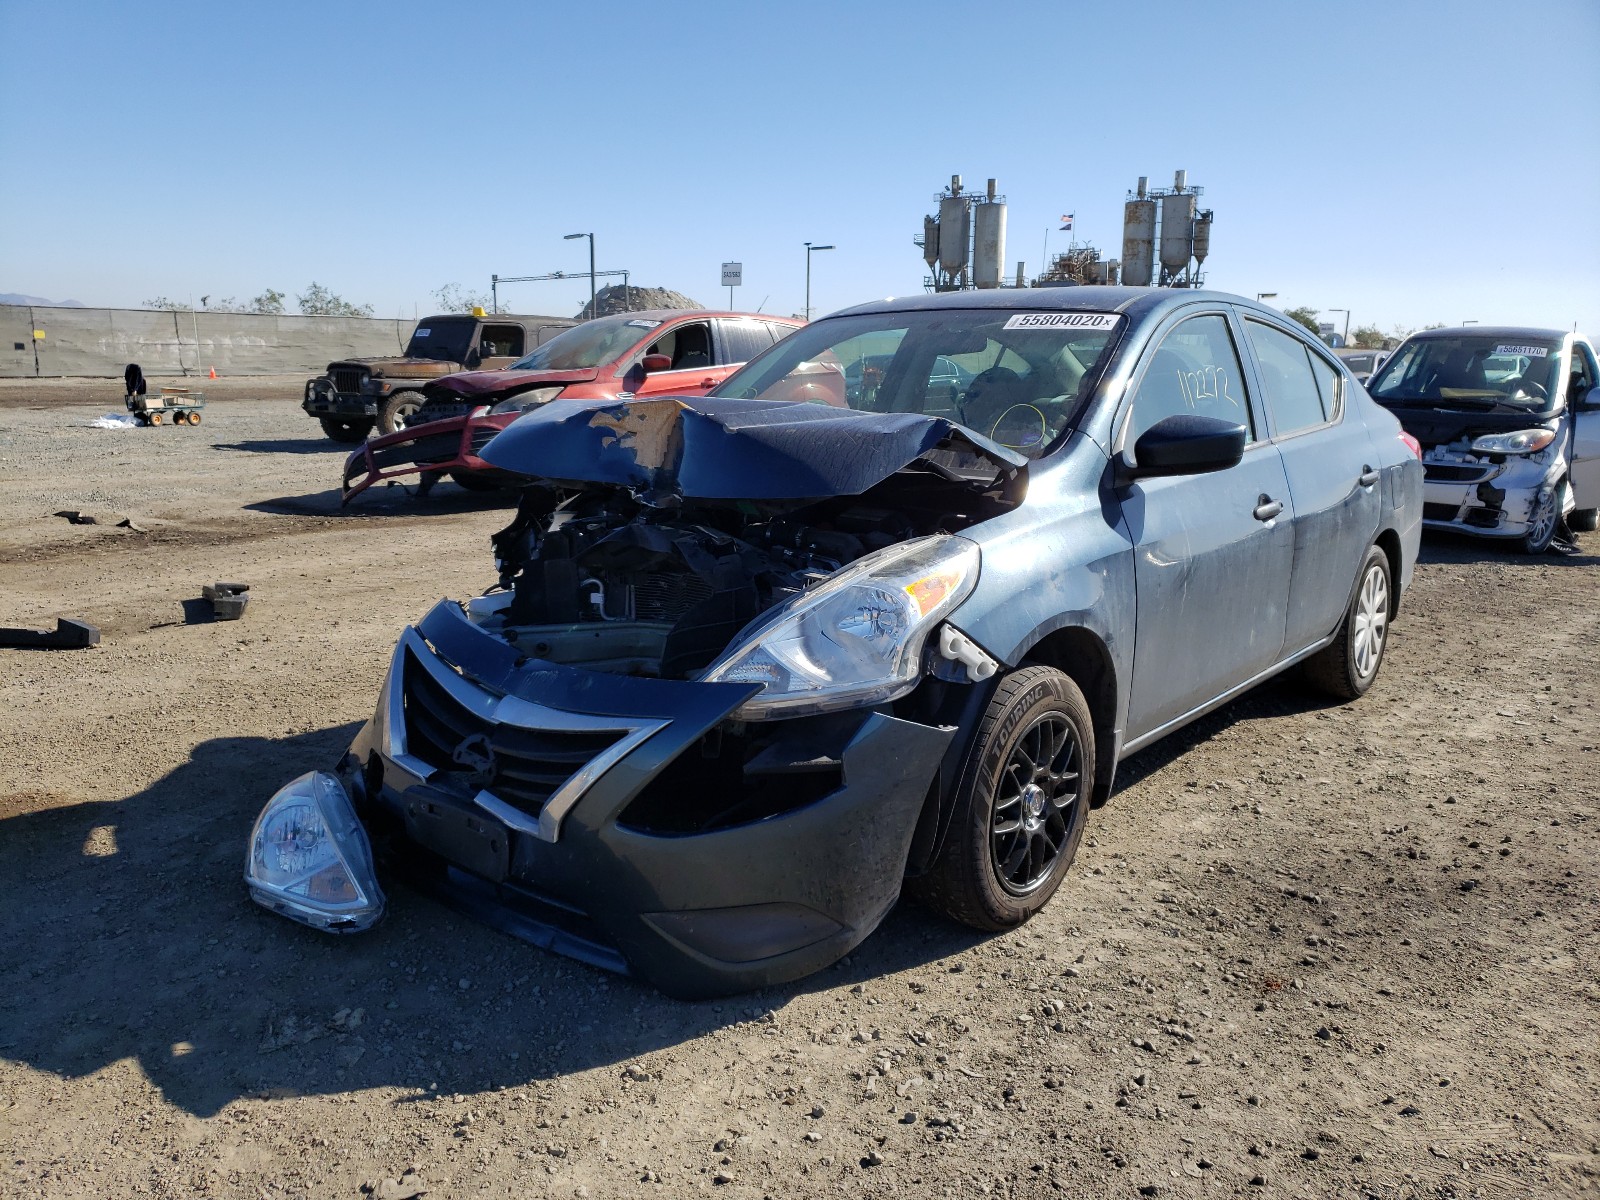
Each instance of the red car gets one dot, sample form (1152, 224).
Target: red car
(664, 352)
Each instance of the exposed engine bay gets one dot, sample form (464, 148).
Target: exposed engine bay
(601, 579)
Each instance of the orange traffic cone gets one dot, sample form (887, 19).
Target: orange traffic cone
(213, 372)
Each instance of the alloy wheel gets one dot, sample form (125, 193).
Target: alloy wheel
(1036, 804)
(1371, 620)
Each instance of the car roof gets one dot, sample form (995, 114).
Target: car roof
(1135, 302)
(1497, 331)
(671, 314)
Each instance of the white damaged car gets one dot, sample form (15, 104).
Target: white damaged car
(1509, 424)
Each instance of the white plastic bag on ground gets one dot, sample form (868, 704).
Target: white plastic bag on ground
(114, 421)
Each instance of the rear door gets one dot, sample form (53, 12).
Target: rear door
(1212, 551)
(1333, 475)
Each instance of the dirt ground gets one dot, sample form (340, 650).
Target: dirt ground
(1306, 950)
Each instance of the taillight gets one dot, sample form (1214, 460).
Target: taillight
(1411, 444)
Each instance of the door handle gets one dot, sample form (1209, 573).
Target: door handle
(1368, 477)
(1267, 507)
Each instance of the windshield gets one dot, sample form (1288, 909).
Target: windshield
(446, 339)
(1471, 371)
(592, 344)
(1015, 377)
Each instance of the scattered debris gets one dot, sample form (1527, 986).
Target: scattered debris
(130, 523)
(75, 517)
(113, 421)
(69, 634)
(408, 1186)
(227, 599)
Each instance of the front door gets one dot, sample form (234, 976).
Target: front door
(1212, 551)
(693, 371)
(1582, 393)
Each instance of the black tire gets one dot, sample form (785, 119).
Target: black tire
(394, 411)
(475, 482)
(992, 877)
(1347, 666)
(342, 430)
(1583, 520)
(1544, 520)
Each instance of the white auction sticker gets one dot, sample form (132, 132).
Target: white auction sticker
(424, 332)
(1063, 320)
(645, 324)
(1530, 351)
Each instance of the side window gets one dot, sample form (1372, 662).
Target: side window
(1292, 393)
(1194, 371)
(778, 332)
(692, 347)
(1330, 385)
(1583, 371)
(501, 341)
(740, 341)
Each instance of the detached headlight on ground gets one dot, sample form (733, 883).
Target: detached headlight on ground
(855, 639)
(310, 860)
(1523, 441)
(523, 401)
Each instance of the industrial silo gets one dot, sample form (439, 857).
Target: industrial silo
(1139, 240)
(1177, 232)
(954, 232)
(1202, 236)
(989, 241)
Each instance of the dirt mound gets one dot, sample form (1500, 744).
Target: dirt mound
(622, 298)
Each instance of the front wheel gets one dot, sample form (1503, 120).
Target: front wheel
(1347, 666)
(1544, 518)
(342, 430)
(396, 410)
(1021, 807)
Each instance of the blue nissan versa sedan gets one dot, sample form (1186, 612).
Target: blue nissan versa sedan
(758, 659)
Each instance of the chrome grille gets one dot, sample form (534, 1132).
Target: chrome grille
(529, 765)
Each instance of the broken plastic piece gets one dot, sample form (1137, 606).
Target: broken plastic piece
(74, 517)
(227, 599)
(958, 647)
(68, 634)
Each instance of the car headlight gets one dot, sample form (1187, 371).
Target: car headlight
(1523, 441)
(856, 638)
(309, 858)
(523, 401)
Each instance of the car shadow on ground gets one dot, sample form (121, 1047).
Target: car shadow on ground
(140, 942)
(131, 937)
(306, 445)
(1441, 546)
(389, 501)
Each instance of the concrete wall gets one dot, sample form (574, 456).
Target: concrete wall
(102, 341)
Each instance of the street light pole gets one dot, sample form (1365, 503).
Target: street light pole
(590, 236)
(1346, 312)
(810, 250)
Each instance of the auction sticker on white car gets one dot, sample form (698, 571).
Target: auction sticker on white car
(1063, 320)
(1530, 351)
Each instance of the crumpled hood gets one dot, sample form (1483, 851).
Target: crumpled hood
(1438, 427)
(506, 383)
(718, 448)
(399, 368)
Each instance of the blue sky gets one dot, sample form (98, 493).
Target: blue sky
(1413, 162)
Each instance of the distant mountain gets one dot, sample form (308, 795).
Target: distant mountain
(38, 301)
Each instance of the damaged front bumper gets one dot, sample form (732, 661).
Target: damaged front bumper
(450, 444)
(1489, 499)
(626, 821)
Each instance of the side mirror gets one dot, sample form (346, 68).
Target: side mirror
(656, 362)
(1185, 445)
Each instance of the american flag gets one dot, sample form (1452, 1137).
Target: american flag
(1066, 222)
